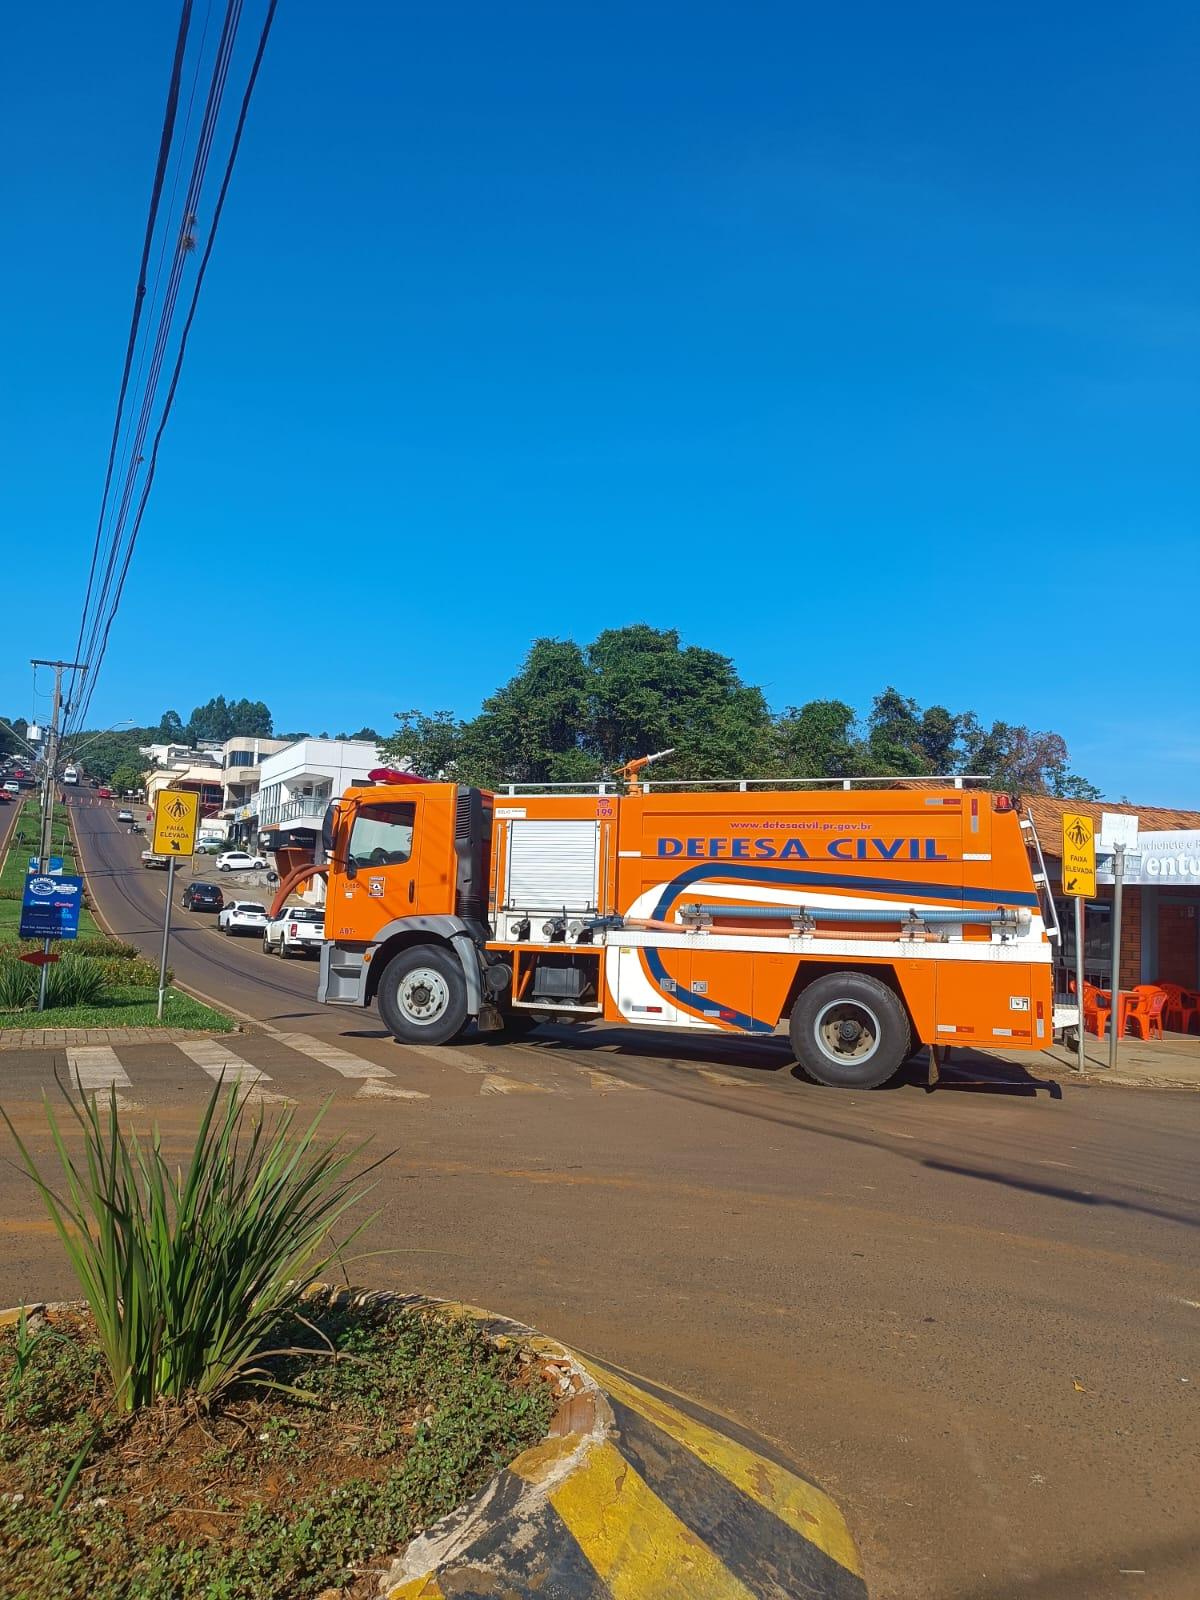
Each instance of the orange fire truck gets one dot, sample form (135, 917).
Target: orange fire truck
(864, 920)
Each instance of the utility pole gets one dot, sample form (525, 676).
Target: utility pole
(49, 777)
(1114, 1016)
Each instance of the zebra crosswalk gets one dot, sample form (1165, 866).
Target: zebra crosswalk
(281, 1066)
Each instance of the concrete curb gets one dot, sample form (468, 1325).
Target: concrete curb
(635, 1493)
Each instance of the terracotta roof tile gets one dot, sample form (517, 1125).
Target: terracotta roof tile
(1047, 814)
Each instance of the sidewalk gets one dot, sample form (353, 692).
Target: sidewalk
(1170, 1063)
(60, 1038)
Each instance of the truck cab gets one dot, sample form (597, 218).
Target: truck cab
(406, 906)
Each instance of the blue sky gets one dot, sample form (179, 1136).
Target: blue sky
(860, 343)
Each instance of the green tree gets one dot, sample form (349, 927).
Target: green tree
(818, 740)
(209, 721)
(127, 776)
(894, 735)
(536, 725)
(170, 729)
(572, 714)
(12, 743)
(100, 754)
(249, 719)
(649, 692)
(432, 745)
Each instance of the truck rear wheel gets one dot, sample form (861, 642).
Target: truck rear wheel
(849, 1031)
(422, 995)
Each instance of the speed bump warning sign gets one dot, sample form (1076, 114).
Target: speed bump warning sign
(176, 820)
(1078, 854)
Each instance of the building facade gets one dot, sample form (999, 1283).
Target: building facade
(241, 770)
(1160, 903)
(295, 788)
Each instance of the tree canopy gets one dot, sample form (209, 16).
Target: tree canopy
(575, 712)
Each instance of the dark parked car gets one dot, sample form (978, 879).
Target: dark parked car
(202, 897)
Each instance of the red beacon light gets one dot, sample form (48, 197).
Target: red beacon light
(393, 775)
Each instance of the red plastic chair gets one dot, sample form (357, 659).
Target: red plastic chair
(1182, 1011)
(1097, 1009)
(1145, 1017)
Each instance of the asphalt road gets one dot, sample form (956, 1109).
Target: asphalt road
(131, 899)
(972, 1315)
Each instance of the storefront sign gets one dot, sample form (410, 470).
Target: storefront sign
(1159, 858)
(50, 907)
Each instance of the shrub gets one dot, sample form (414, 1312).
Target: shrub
(122, 973)
(75, 981)
(190, 1274)
(18, 985)
(99, 944)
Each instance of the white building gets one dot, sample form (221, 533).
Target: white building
(174, 757)
(241, 762)
(297, 784)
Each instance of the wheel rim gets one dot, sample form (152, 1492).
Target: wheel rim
(422, 996)
(847, 1032)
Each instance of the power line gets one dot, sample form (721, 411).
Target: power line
(164, 150)
(103, 600)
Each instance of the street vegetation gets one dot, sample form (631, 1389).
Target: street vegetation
(204, 1426)
(98, 981)
(576, 712)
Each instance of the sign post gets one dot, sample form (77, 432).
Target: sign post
(162, 965)
(1115, 1014)
(49, 910)
(1079, 881)
(176, 821)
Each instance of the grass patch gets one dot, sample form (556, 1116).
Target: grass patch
(390, 1418)
(23, 843)
(126, 1006)
(130, 997)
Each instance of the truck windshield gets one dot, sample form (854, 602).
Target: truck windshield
(382, 834)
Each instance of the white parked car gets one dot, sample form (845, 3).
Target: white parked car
(239, 861)
(124, 816)
(297, 929)
(242, 916)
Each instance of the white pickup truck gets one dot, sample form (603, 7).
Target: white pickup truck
(151, 858)
(297, 930)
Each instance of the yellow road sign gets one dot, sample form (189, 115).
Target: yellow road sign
(1078, 854)
(176, 820)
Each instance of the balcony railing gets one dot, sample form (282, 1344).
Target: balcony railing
(304, 810)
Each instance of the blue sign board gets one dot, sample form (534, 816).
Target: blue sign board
(55, 867)
(50, 908)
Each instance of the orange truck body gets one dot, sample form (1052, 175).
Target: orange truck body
(698, 908)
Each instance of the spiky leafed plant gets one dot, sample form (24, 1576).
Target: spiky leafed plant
(189, 1273)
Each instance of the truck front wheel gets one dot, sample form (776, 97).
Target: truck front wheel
(422, 995)
(849, 1031)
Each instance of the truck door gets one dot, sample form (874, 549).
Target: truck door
(382, 862)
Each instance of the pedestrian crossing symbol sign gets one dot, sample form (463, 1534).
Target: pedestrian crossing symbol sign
(176, 820)
(1078, 854)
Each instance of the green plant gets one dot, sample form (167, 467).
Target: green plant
(18, 985)
(24, 1348)
(74, 981)
(99, 944)
(188, 1274)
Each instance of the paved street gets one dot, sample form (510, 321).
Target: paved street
(973, 1315)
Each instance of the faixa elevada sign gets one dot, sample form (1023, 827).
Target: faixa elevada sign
(1167, 858)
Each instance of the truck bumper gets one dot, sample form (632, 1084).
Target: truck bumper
(343, 980)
